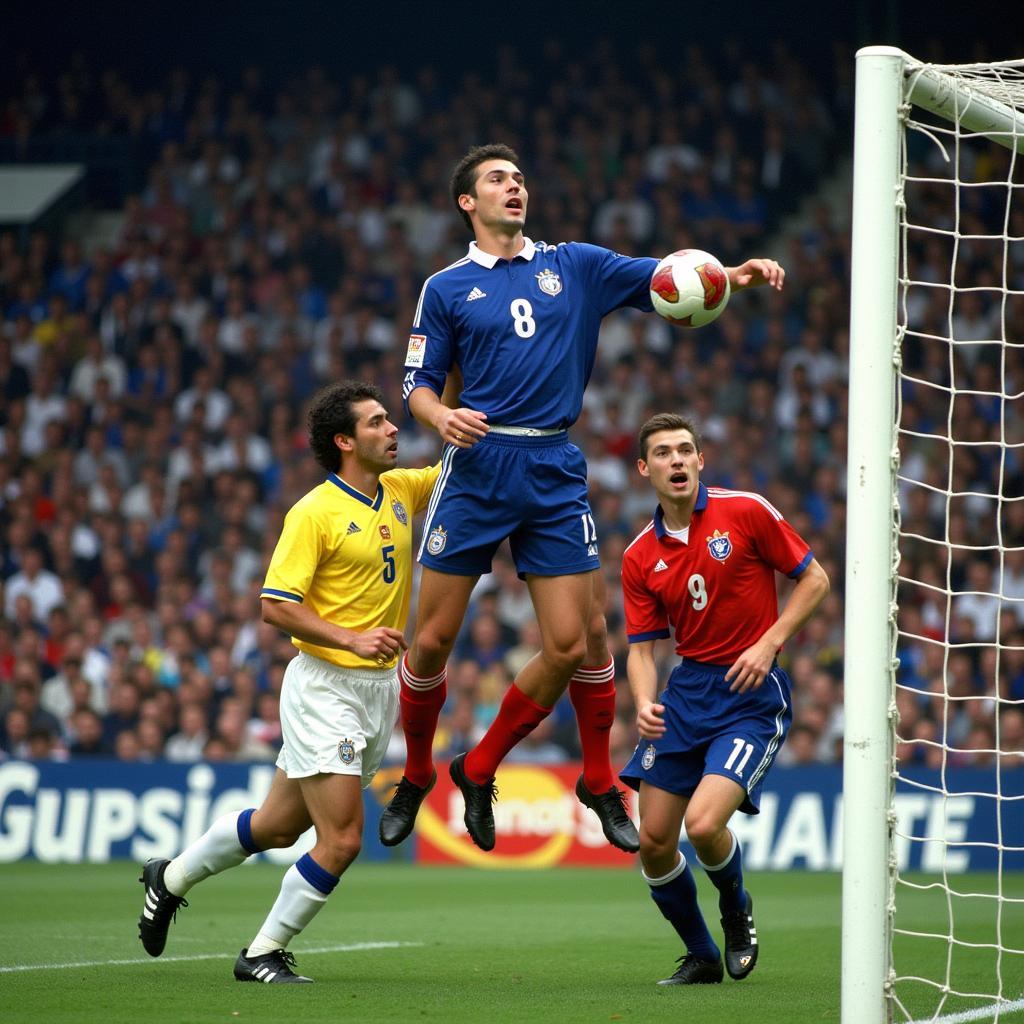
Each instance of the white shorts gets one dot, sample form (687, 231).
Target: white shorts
(335, 720)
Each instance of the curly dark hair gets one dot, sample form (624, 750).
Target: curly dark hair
(463, 181)
(332, 413)
(665, 421)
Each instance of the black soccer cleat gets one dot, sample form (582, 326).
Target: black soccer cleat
(270, 968)
(692, 971)
(610, 808)
(479, 817)
(400, 814)
(159, 908)
(740, 941)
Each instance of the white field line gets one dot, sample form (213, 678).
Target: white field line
(984, 1013)
(353, 947)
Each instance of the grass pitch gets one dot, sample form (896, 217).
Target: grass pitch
(400, 943)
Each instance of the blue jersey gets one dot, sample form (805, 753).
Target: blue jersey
(523, 333)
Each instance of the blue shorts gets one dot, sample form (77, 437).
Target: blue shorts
(532, 490)
(710, 731)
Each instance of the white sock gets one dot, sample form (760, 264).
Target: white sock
(298, 902)
(214, 851)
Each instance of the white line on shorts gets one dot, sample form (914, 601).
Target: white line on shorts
(353, 947)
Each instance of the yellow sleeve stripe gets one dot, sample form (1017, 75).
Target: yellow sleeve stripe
(281, 594)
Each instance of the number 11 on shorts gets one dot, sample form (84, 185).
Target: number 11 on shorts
(739, 746)
(589, 528)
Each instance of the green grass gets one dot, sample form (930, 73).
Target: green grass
(560, 946)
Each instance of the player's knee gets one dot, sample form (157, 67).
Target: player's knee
(566, 656)
(433, 645)
(344, 848)
(657, 848)
(702, 829)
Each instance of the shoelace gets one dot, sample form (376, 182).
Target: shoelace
(406, 795)
(737, 929)
(683, 961)
(479, 789)
(285, 956)
(614, 802)
(168, 908)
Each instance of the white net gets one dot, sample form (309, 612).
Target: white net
(957, 896)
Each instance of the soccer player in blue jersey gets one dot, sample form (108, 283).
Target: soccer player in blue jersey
(705, 566)
(520, 320)
(339, 583)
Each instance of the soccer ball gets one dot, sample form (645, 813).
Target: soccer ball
(690, 287)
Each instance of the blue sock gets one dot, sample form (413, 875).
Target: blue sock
(244, 830)
(676, 897)
(727, 878)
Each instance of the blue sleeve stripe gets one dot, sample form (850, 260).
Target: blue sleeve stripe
(282, 594)
(639, 638)
(805, 561)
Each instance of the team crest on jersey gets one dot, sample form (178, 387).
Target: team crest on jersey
(385, 531)
(647, 761)
(346, 751)
(550, 283)
(417, 350)
(400, 514)
(437, 540)
(719, 545)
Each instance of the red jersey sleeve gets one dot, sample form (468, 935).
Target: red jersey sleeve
(777, 542)
(646, 618)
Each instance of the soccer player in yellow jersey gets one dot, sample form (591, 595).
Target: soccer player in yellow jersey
(339, 583)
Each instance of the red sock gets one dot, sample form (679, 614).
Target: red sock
(517, 717)
(592, 692)
(421, 701)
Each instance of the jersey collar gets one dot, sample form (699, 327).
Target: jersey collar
(485, 259)
(659, 513)
(358, 495)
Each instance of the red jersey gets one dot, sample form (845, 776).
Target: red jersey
(717, 590)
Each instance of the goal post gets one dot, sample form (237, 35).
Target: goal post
(981, 103)
(867, 740)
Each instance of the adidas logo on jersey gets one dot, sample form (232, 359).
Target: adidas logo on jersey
(352, 528)
(661, 566)
(476, 294)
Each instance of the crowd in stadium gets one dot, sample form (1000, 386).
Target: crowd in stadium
(152, 429)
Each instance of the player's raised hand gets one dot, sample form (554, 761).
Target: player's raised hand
(462, 427)
(380, 644)
(756, 272)
(650, 721)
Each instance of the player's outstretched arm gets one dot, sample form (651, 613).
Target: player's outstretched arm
(751, 668)
(461, 427)
(642, 671)
(303, 623)
(756, 272)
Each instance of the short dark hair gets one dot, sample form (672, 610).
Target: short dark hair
(332, 413)
(464, 176)
(665, 421)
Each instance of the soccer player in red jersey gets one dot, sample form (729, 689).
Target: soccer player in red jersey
(705, 567)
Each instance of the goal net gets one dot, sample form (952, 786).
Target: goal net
(933, 906)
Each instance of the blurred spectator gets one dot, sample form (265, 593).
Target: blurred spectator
(192, 735)
(37, 583)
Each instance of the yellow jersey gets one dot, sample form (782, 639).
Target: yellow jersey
(349, 557)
